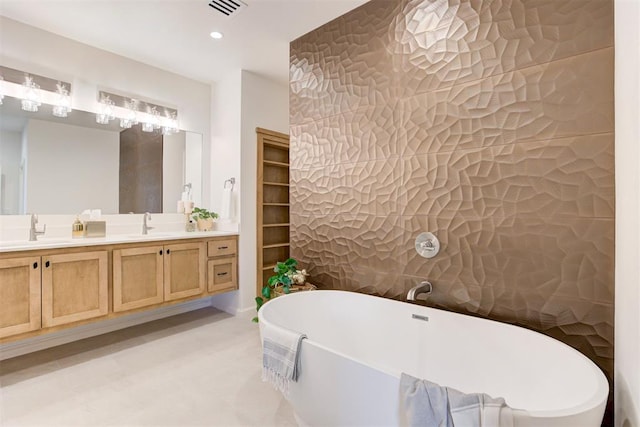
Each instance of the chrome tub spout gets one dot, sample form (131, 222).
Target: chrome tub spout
(423, 288)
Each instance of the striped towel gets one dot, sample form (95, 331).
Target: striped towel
(423, 403)
(280, 356)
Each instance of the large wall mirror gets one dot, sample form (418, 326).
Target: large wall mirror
(51, 165)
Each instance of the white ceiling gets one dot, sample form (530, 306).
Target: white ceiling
(174, 34)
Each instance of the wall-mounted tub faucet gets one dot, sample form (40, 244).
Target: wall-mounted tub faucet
(145, 227)
(423, 288)
(33, 231)
(427, 245)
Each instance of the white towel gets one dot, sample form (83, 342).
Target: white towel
(425, 403)
(225, 210)
(280, 356)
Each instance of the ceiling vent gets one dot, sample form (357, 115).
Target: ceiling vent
(228, 8)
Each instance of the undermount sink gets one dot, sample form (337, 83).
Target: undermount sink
(13, 243)
(148, 236)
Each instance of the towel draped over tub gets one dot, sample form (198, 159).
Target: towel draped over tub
(280, 356)
(423, 403)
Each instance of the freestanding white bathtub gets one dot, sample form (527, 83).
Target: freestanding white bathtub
(358, 345)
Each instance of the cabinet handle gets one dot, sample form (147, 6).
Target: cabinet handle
(168, 251)
(35, 265)
(47, 264)
(160, 253)
(221, 274)
(222, 247)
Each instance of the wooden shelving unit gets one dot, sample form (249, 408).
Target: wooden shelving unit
(273, 202)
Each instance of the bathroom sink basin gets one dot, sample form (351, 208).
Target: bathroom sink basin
(149, 236)
(27, 243)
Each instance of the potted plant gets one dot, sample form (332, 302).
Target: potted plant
(287, 275)
(204, 218)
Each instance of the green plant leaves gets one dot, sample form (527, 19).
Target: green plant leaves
(273, 281)
(283, 271)
(201, 213)
(266, 292)
(291, 263)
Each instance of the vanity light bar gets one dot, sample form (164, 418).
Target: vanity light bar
(132, 111)
(142, 106)
(34, 90)
(45, 83)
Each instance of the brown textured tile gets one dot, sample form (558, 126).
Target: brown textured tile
(342, 66)
(564, 98)
(344, 242)
(354, 188)
(365, 134)
(440, 43)
(562, 257)
(570, 177)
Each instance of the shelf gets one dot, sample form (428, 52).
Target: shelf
(277, 245)
(279, 184)
(274, 144)
(276, 204)
(277, 164)
(282, 224)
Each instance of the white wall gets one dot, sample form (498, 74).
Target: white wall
(80, 171)
(627, 303)
(10, 157)
(88, 69)
(261, 103)
(225, 137)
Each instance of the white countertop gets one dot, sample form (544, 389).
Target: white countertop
(55, 243)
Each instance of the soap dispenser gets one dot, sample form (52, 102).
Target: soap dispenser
(77, 228)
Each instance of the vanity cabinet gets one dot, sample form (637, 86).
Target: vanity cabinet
(138, 277)
(184, 270)
(19, 295)
(150, 275)
(48, 289)
(74, 287)
(222, 265)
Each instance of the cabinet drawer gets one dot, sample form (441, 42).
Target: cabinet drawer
(222, 275)
(222, 247)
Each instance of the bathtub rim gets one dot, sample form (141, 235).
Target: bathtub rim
(597, 399)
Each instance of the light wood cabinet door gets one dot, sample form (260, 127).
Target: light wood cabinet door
(74, 287)
(19, 295)
(222, 275)
(137, 277)
(184, 270)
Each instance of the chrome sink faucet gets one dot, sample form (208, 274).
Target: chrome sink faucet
(33, 231)
(145, 227)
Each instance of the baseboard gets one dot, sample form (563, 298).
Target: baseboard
(65, 336)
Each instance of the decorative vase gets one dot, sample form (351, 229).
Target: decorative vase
(205, 224)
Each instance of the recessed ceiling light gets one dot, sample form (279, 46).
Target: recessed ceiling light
(216, 35)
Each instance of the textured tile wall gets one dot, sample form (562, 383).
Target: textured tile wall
(489, 123)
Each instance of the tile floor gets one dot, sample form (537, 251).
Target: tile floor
(200, 368)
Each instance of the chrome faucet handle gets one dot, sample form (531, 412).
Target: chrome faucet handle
(427, 245)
